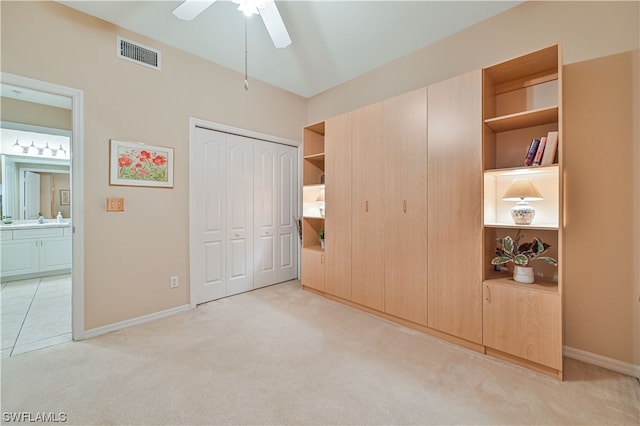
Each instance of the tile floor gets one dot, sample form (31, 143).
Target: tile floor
(36, 313)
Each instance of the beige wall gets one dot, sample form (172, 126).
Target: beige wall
(17, 111)
(130, 256)
(600, 41)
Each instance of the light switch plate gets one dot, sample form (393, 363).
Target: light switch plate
(115, 204)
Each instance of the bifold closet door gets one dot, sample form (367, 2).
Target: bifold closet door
(239, 211)
(275, 210)
(287, 230)
(265, 202)
(208, 216)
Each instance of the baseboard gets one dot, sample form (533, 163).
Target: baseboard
(603, 361)
(134, 321)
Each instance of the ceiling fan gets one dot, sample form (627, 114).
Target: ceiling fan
(267, 10)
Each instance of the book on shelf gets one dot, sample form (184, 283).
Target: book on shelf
(531, 153)
(538, 158)
(550, 149)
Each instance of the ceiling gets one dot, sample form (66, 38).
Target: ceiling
(332, 41)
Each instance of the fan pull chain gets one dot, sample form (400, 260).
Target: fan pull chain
(246, 78)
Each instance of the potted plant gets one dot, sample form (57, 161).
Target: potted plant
(321, 235)
(511, 250)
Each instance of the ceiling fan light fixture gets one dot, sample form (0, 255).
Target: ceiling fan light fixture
(249, 7)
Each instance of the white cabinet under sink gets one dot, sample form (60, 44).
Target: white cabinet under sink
(37, 250)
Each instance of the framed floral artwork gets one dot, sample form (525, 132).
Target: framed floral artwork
(139, 164)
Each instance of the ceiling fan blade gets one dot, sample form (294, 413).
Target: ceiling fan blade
(275, 26)
(189, 9)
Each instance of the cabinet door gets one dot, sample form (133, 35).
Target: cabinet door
(338, 206)
(19, 257)
(313, 268)
(55, 254)
(368, 208)
(454, 197)
(406, 206)
(524, 323)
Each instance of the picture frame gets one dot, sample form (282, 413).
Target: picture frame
(65, 197)
(140, 164)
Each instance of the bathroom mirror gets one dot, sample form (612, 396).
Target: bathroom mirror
(34, 153)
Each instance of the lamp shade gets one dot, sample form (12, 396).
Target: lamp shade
(320, 195)
(522, 189)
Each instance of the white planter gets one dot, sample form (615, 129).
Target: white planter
(523, 274)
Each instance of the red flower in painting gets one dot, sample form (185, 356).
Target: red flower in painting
(138, 165)
(124, 161)
(144, 156)
(159, 160)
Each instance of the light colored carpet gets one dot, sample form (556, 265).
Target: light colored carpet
(281, 355)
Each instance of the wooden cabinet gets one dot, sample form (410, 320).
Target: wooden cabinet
(522, 101)
(455, 207)
(414, 206)
(368, 207)
(312, 255)
(338, 203)
(524, 321)
(405, 224)
(313, 268)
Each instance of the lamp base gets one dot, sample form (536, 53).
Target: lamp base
(522, 213)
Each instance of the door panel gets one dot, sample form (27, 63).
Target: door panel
(406, 201)
(367, 206)
(337, 266)
(454, 197)
(287, 268)
(209, 263)
(239, 202)
(264, 215)
(31, 195)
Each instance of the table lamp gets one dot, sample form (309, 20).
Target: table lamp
(522, 191)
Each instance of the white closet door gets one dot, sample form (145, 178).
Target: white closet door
(265, 214)
(239, 214)
(208, 228)
(287, 267)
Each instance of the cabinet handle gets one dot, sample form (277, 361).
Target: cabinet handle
(487, 296)
(322, 258)
(366, 206)
(404, 206)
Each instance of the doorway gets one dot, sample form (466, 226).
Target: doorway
(41, 93)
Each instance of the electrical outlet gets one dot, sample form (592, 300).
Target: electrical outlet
(174, 282)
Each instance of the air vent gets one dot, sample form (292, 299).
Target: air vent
(136, 52)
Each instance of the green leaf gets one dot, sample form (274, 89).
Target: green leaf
(539, 246)
(549, 260)
(500, 260)
(521, 260)
(507, 243)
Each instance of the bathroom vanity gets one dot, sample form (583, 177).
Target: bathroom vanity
(32, 249)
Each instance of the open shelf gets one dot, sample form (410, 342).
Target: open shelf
(518, 171)
(519, 120)
(506, 279)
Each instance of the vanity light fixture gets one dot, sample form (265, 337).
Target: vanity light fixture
(38, 151)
